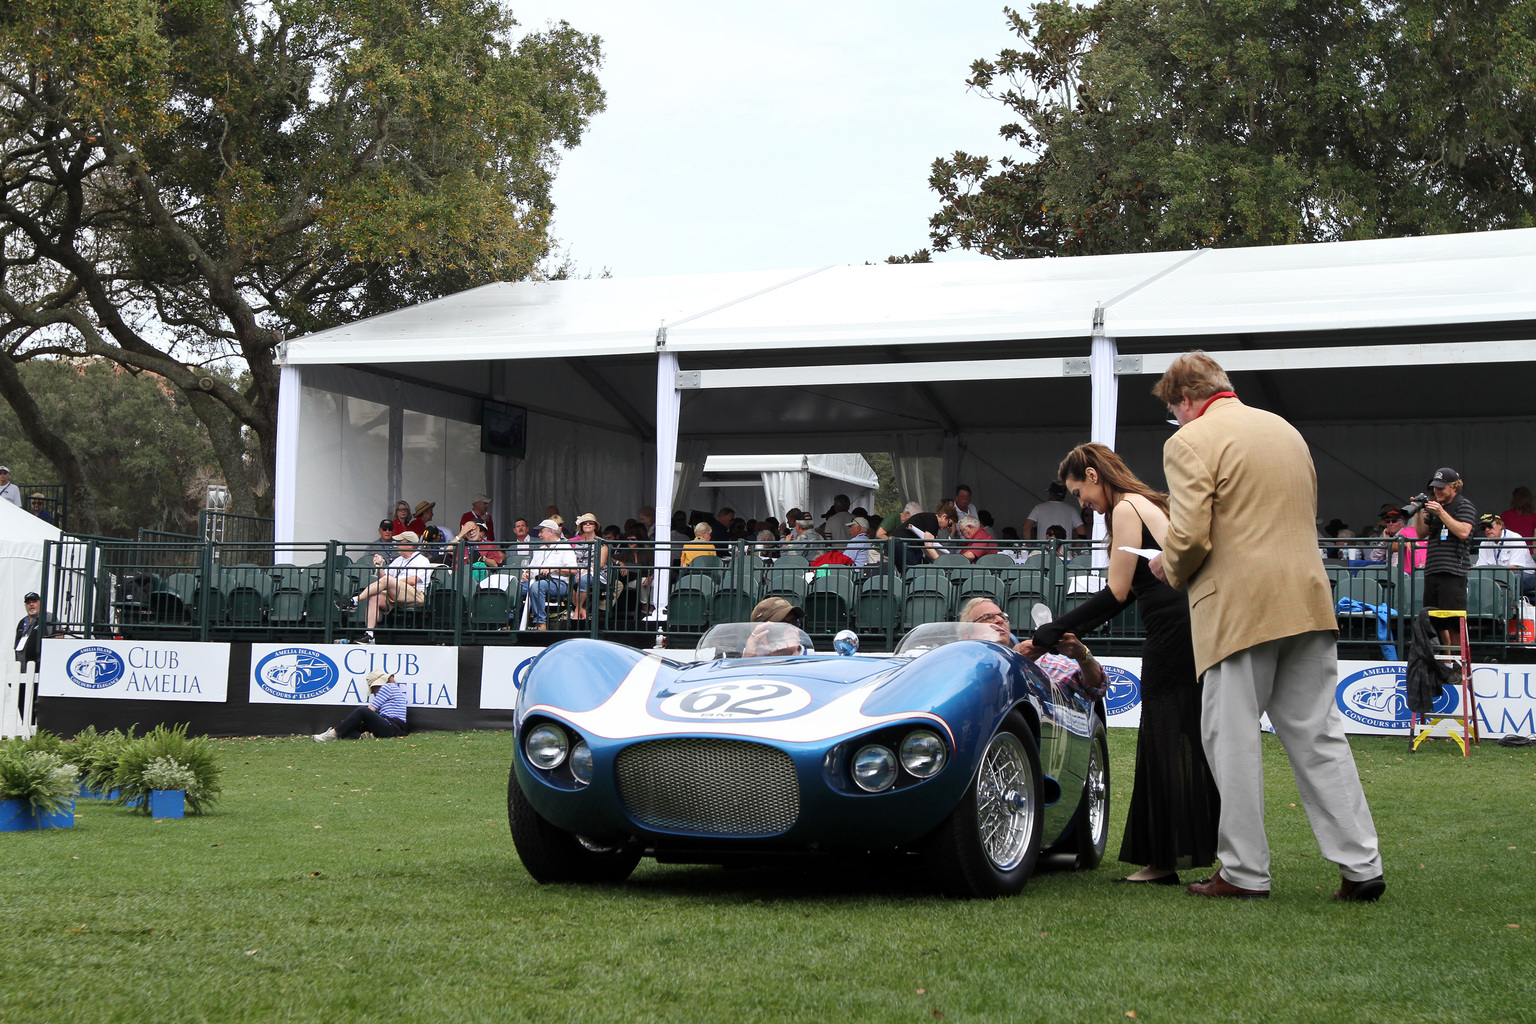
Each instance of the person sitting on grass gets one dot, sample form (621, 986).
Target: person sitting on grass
(383, 716)
(402, 582)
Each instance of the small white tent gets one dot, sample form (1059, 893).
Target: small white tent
(21, 569)
(758, 486)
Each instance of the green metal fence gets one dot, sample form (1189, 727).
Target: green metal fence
(165, 587)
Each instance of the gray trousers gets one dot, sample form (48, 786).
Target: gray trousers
(1294, 679)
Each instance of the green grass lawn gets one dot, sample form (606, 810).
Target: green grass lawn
(376, 881)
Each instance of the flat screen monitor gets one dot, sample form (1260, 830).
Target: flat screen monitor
(503, 429)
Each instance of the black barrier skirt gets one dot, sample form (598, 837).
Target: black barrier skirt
(237, 716)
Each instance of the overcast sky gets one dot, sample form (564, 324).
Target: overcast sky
(761, 136)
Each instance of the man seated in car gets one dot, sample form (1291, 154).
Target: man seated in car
(1073, 666)
(779, 633)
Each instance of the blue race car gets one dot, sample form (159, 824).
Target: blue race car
(956, 749)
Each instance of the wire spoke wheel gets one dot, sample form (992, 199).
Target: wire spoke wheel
(1005, 789)
(989, 844)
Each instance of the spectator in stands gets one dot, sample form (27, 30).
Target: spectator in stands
(1521, 514)
(588, 546)
(725, 517)
(481, 555)
(700, 545)
(37, 508)
(9, 491)
(519, 531)
(647, 517)
(978, 540)
(480, 508)
(548, 576)
(1505, 547)
(1445, 522)
(962, 502)
(386, 532)
(612, 532)
(858, 546)
(402, 582)
(1056, 537)
(1054, 510)
(405, 522)
(803, 530)
(1391, 521)
(834, 525)
(383, 716)
(682, 533)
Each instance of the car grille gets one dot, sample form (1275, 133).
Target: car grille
(709, 787)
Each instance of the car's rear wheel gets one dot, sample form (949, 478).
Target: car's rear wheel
(552, 854)
(1090, 826)
(990, 842)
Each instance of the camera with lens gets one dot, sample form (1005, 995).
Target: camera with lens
(1415, 505)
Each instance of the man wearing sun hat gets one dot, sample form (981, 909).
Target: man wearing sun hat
(9, 491)
(383, 715)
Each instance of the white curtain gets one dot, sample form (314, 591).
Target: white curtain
(911, 480)
(786, 490)
(690, 467)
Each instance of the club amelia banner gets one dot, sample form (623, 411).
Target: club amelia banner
(334, 674)
(1373, 697)
(498, 675)
(134, 670)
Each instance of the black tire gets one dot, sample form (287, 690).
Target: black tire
(1089, 833)
(965, 854)
(552, 854)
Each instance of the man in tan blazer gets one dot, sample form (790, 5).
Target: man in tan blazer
(1242, 541)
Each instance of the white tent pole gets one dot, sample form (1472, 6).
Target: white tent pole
(1106, 409)
(285, 481)
(667, 407)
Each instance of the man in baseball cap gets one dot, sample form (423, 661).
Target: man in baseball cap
(778, 633)
(29, 643)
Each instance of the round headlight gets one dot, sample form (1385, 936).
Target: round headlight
(923, 753)
(581, 762)
(874, 768)
(546, 746)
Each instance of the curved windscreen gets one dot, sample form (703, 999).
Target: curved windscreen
(936, 634)
(753, 640)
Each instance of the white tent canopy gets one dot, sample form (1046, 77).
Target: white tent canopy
(1383, 353)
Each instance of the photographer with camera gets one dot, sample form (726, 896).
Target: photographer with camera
(1445, 522)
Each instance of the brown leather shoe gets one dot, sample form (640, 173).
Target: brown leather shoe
(1220, 887)
(1367, 890)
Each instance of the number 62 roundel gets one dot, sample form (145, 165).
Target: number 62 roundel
(753, 699)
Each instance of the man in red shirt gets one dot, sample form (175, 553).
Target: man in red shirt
(480, 509)
(978, 540)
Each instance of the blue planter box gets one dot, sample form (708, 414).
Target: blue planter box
(19, 816)
(167, 803)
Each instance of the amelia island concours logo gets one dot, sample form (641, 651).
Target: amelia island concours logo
(1378, 696)
(95, 668)
(1124, 690)
(296, 673)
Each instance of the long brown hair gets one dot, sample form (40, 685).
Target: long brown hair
(1113, 473)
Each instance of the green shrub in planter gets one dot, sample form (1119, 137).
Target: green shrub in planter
(96, 755)
(38, 777)
(193, 754)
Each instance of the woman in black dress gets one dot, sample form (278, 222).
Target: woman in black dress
(1174, 804)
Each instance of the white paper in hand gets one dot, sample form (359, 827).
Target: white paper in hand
(1147, 553)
